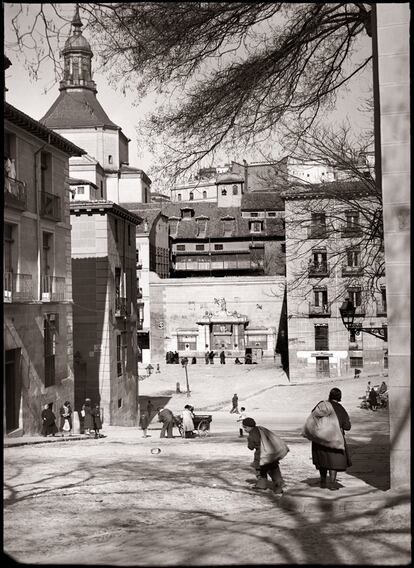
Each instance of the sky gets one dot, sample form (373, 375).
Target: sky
(35, 97)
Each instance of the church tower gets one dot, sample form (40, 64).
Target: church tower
(78, 116)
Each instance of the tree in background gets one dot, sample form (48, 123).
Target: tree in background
(226, 70)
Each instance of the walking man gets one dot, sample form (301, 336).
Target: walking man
(235, 403)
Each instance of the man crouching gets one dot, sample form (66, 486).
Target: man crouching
(269, 450)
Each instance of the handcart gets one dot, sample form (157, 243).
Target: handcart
(201, 424)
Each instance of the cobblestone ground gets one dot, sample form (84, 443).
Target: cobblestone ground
(112, 501)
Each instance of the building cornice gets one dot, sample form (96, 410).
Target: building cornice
(101, 207)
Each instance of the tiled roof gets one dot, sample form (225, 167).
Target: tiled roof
(332, 190)
(76, 181)
(75, 109)
(262, 201)
(29, 124)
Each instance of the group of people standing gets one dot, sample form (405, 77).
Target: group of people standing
(49, 427)
(91, 420)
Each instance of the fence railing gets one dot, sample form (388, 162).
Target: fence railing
(318, 269)
(120, 307)
(15, 193)
(321, 311)
(50, 206)
(18, 287)
(53, 288)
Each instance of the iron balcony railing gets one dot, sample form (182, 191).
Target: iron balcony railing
(319, 311)
(351, 231)
(317, 232)
(53, 288)
(318, 269)
(18, 287)
(120, 307)
(15, 193)
(352, 270)
(50, 206)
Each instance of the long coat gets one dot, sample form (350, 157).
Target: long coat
(88, 418)
(96, 417)
(144, 420)
(48, 422)
(329, 458)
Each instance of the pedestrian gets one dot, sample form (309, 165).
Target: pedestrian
(144, 421)
(211, 356)
(383, 388)
(240, 419)
(235, 404)
(237, 361)
(373, 399)
(329, 449)
(150, 409)
(48, 421)
(167, 418)
(368, 389)
(66, 418)
(97, 421)
(176, 358)
(222, 357)
(86, 413)
(269, 449)
(188, 423)
(158, 370)
(207, 355)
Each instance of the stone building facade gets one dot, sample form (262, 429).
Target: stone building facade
(327, 260)
(38, 348)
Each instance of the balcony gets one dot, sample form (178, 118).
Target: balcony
(15, 194)
(349, 231)
(18, 288)
(53, 288)
(381, 309)
(319, 311)
(50, 206)
(120, 307)
(318, 270)
(352, 271)
(317, 232)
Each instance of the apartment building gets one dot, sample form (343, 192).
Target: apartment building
(38, 343)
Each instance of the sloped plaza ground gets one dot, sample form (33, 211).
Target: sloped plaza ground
(112, 501)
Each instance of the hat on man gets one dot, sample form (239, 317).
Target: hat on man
(249, 422)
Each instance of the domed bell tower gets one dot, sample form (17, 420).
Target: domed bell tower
(77, 55)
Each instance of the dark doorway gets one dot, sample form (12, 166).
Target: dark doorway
(12, 360)
(322, 366)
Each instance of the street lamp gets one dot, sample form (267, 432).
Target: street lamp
(347, 311)
(185, 363)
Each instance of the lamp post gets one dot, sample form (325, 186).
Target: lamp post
(347, 311)
(185, 363)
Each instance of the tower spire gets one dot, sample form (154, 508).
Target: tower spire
(77, 55)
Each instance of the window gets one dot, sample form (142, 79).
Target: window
(319, 259)
(256, 227)
(356, 362)
(119, 355)
(228, 225)
(204, 194)
(224, 192)
(45, 172)
(321, 338)
(8, 261)
(318, 225)
(235, 190)
(47, 269)
(352, 256)
(186, 342)
(355, 296)
(110, 160)
(180, 247)
(352, 219)
(179, 197)
(320, 296)
(199, 247)
(254, 214)
(49, 345)
(102, 190)
(187, 213)
(218, 247)
(191, 196)
(384, 298)
(271, 214)
(80, 190)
